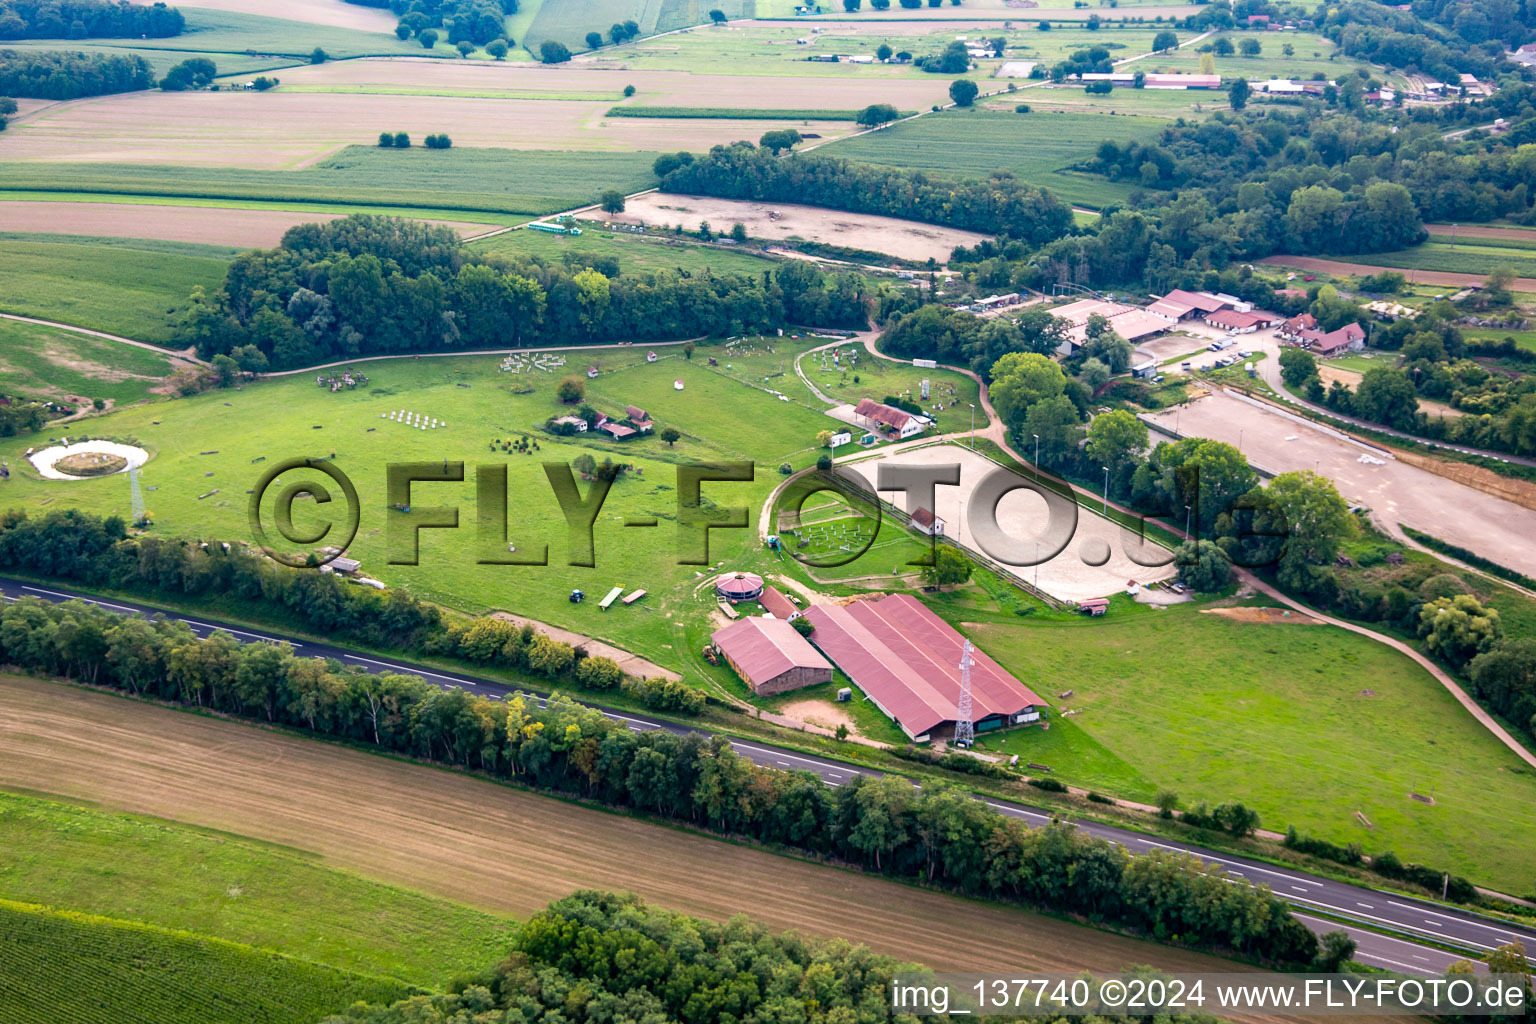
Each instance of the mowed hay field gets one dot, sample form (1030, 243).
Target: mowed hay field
(1306, 724)
(314, 12)
(242, 228)
(1037, 147)
(492, 847)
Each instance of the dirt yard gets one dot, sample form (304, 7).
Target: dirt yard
(819, 712)
(779, 222)
(495, 847)
(1395, 492)
(1264, 615)
(1022, 514)
(209, 224)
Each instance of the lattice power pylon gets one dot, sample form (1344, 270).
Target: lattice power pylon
(137, 496)
(965, 729)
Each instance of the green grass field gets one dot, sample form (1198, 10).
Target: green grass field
(1035, 147)
(1310, 725)
(121, 286)
(81, 969)
(569, 21)
(530, 182)
(179, 877)
(632, 253)
(1314, 54)
(45, 362)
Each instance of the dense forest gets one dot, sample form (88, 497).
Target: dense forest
(999, 204)
(883, 824)
(602, 958)
(57, 75)
(87, 19)
(478, 21)
(366, 285)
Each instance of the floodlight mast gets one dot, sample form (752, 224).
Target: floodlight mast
(965, 729)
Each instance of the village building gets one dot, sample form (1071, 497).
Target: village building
(925, 522)
(896, 421)
(770, 655)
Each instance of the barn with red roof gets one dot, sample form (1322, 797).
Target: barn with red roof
(907, 660)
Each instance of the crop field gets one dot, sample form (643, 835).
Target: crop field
(1166, 104)
(743, 86)
(1035, 147)
(287, 130)
(497, 848)
(121, 286)
(246, 229)
(45, 362)
(1308, 724)
(1480, 256)
(497, 181)
(69, 967)
(631, 252)
(721, 418)
(781, 222)
(223, 886)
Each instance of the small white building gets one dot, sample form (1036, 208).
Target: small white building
(579, 424)
(925, 522)
(840, 438)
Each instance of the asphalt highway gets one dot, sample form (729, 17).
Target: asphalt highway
(1411, 921)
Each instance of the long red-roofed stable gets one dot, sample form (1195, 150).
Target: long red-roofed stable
(907, 660)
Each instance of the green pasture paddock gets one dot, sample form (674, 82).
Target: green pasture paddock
(569, 21)
(223, 886)
(192, 494)
(417, 212)
(48, 363)
(1037, 148)
(62, 966)
(1315, 55)
(531, 182)
(1310, 725)
(120, 286)
(735, 113)
(633, 252)
(878, 378)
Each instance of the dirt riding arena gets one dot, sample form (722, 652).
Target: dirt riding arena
(210, 225)
(1395, 492)
(777, 222)
(494, 847)
(1022, 514)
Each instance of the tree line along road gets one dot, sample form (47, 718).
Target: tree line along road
(1365, 913)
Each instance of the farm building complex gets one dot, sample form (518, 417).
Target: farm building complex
(907, 660)
(771, 655)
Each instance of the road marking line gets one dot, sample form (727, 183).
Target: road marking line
(412, 671)
(239, 632)
(87, 600)
(1459, 920)
(1394, 963)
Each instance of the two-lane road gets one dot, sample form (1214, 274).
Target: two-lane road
(1410, 919)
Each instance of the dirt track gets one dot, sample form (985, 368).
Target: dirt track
(211, 225)
(1437, 277)
(491, 846)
